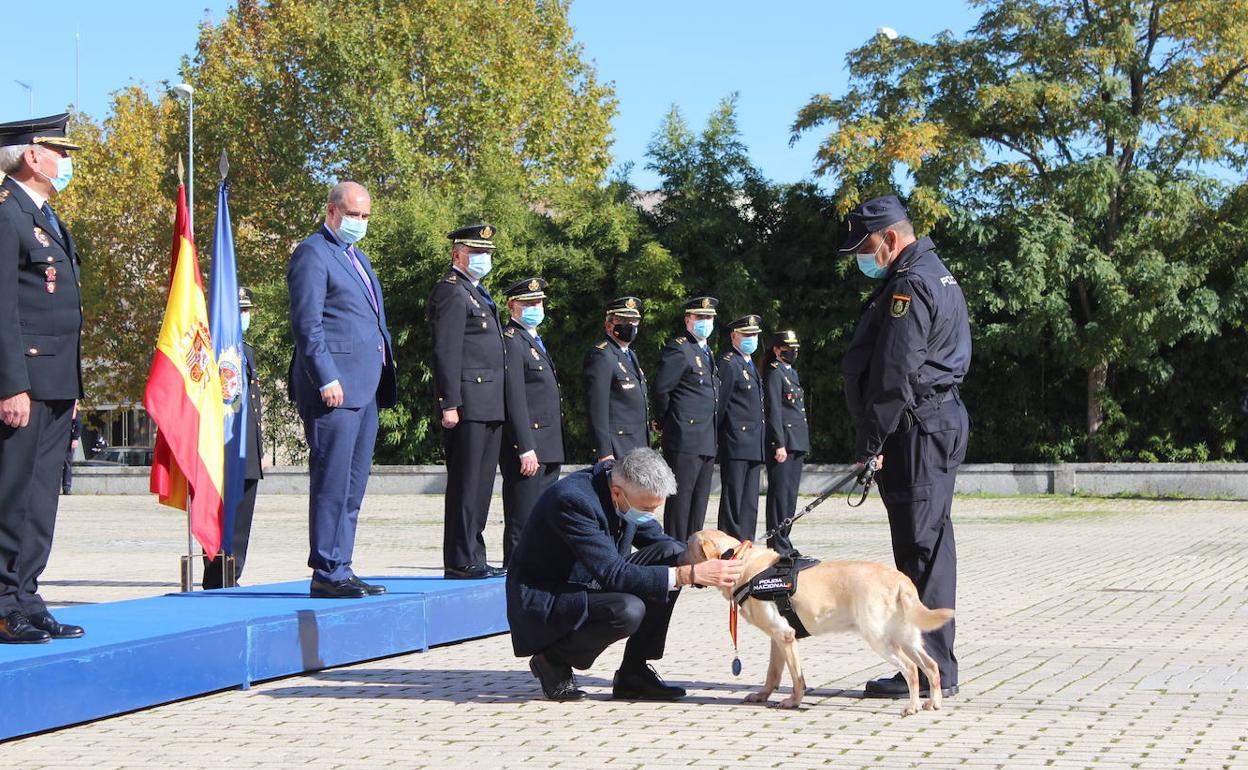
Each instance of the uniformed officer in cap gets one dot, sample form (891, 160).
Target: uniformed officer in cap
(533, 431)
(686, 402)
(214, 577)
(788, 435)
(740, 431)
(616, 404)
(40, 365)
(910, 351)
(468, 375)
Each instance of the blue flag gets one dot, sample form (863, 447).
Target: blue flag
(227, 343)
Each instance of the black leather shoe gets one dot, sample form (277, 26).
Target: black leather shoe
(558, 682)
(643, 684)
(895, 687)
(45, 622)
(339, 589)
(15, 628)
(473, 572)
(369, 588)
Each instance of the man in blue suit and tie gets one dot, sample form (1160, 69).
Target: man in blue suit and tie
(341, 373)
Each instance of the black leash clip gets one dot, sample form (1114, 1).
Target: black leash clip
(865, 479)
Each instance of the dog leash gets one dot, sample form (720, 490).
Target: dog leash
(865, 476)
(729, 555)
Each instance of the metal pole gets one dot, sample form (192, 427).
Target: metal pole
(77, 81)
(190, 171)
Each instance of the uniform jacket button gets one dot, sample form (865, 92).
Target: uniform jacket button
(478, 379)
(34, 351)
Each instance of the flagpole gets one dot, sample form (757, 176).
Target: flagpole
(188, 561)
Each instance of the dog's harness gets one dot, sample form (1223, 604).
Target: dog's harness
(777, 584)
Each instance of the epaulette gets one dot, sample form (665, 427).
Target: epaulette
(681, 340)
(727, 356)
(452, 278)
(4, 195)
(510, 331)
(601, 345)
(775, 364)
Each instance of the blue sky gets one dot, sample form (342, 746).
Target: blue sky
(774, 53)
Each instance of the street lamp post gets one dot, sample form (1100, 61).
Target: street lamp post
(185, 90)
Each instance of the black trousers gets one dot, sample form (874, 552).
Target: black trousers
(783, 481)
(471, 457)
(614, 616)
(520, 493)
(67, 472)
(685, 512)
(738, 497)
(213, 577)
(30, 484)
(916, 484)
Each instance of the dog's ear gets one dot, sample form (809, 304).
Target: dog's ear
(711, 545)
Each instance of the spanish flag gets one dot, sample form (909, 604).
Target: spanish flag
(183, 396)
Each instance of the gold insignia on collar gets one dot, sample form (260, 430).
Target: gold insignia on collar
(42, 237)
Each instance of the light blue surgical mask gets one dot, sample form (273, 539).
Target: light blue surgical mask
(634, 515)
(244, 320)
(532, 316)
(703, 327)
(352, 230)
(749, 345)
(64, 173)
(479, 264)
(866, 263)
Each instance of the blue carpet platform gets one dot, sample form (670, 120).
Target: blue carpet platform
(144, 652)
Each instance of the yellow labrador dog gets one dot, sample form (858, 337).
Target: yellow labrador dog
(875, 600)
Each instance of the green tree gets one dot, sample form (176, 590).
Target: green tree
(1072, 145)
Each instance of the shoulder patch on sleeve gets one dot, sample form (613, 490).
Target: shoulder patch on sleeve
(899, 306)
(601, 345)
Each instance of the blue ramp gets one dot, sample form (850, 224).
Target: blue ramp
(144, 652)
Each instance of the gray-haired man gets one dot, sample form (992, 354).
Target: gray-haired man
(575, 585)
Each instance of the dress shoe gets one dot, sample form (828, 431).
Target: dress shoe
(339, 589)
(895, 687)
(643, 684)
(558, 682)
(45, 622)
(473, 572)
(369, 588)
(15, 628)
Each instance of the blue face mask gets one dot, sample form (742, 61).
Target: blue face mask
(64, 173)
(749, 345)
(352, 230)
(532, 316)
(244, 319)
(866, 263)
(479, 264)
(703, 327)
(633, 515)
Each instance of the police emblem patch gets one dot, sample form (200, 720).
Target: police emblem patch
(42, 237)
(901, 304)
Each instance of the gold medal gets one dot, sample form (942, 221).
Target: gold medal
(42, 237)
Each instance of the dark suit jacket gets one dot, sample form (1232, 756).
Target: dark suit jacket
(534, 409)
(337, 333)
(468, 358)
(255, 408)
(785, 409)
(615, 401)
(575, 538)
(686, 397)
(741, 409)
(40, 331)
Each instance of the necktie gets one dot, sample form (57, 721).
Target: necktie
(636, 366)
(359, 268)
(50, 215)
(540, 346)
(488, 299)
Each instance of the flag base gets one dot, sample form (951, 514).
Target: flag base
(229, 568)
(188, 573)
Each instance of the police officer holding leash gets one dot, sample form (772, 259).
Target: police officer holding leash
(910, 351)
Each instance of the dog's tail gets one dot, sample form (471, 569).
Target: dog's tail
(920, 616)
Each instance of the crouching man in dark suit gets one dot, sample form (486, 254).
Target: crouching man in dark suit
(575, 585)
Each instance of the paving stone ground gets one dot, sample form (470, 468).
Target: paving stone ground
(1092, 633)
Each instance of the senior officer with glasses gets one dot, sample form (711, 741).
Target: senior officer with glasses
(910, 351)
(40, 366)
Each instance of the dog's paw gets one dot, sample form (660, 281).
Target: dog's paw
(930, 705)
(909, 711)
(789, 703)
(757, 697)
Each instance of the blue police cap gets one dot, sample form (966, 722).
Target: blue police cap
(871, 217)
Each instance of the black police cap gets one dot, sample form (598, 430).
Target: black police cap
(747, 324)
(478, 236)
(526, 289)
(785, 339)
(701, 306)
(625, 307)
(244, 298)
(49, 131)
(871, 217)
